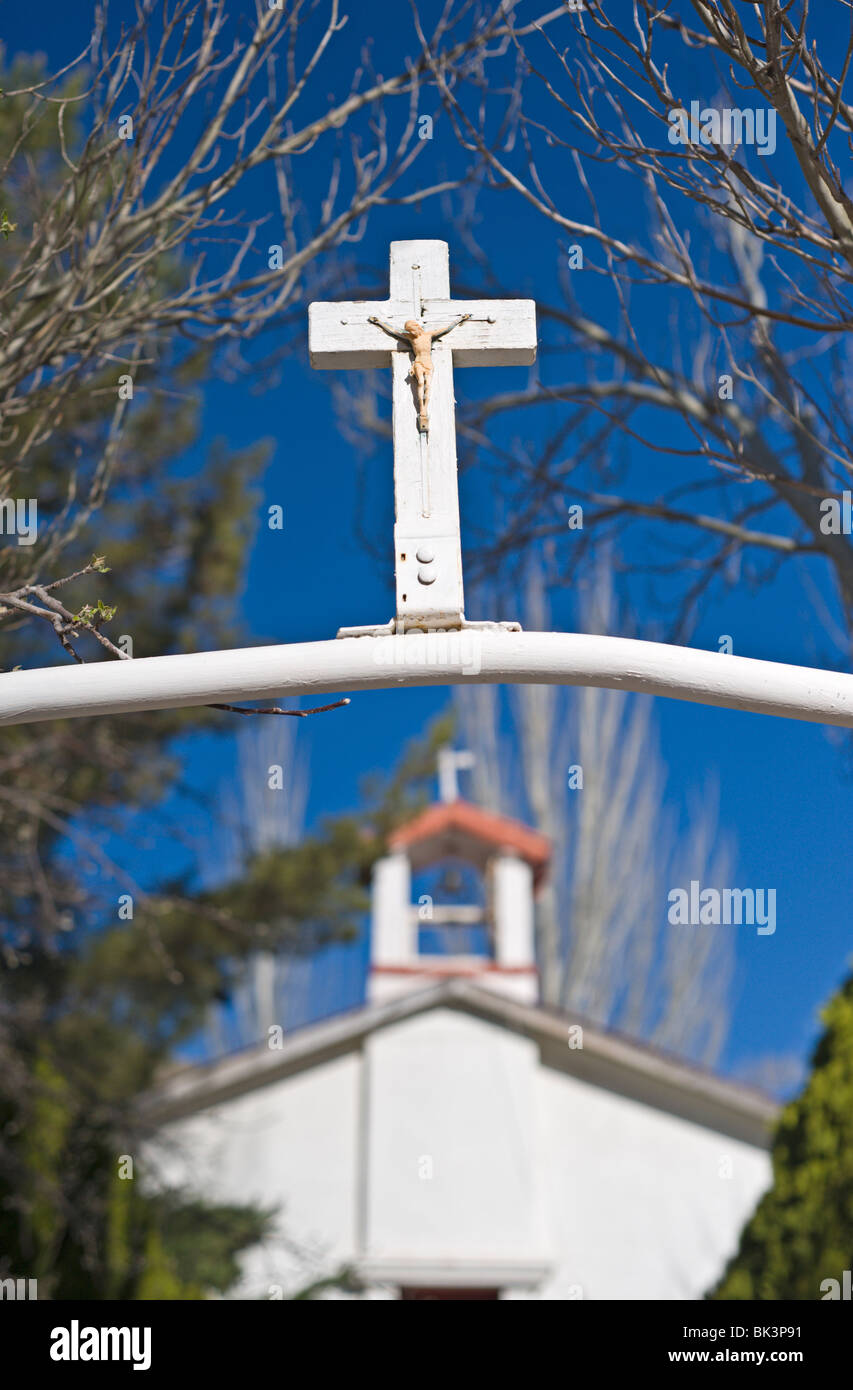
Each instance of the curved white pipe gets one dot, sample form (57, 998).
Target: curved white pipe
(487, 656)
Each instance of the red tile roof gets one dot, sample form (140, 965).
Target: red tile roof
(459, 827)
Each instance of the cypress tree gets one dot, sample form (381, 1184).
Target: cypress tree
(801, 1234)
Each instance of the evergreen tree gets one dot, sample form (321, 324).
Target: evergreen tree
(96, 1018)
(91, 1006)
(802, 1231)
(70, 1068)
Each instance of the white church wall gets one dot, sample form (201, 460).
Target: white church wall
(643, 1204)
(291, 1144)
(441, 1150)
(454, 1186)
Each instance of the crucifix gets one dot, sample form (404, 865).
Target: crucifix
(422, 334)
(481, 333)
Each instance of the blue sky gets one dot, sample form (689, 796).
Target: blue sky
(785, 786)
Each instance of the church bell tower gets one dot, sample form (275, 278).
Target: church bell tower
(423, 931)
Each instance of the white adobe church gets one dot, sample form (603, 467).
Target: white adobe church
(452, 1139)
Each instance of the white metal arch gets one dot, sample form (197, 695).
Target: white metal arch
(490, 656)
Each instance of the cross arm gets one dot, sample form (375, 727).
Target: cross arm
(386, 328)
(347, 334)
(440, 332)
(496, 333)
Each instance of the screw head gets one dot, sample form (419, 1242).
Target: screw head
(426, 555)
(426, 576)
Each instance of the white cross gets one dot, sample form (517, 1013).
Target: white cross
(497, 333)
(450, 762)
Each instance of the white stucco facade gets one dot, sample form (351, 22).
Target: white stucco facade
(454, 1138)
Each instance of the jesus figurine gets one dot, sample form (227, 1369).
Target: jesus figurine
(420, 340)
